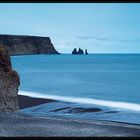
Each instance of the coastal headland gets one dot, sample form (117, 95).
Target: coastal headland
(27, 45)
(15, 123)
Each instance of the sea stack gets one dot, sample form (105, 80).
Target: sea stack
(86, 51)
(80, 51)
(9, 83)
(74, 51)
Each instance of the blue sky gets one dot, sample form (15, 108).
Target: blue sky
(98, 27)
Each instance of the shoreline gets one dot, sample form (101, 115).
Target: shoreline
(27, 101)
(22, 125)
(19, 124)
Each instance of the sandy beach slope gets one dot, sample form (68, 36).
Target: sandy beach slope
(26, 101)
(24, 125)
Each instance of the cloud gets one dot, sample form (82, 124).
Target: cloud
(108, 39)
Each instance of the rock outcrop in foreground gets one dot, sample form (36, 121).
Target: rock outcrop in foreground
(23, 44)
(9, 83)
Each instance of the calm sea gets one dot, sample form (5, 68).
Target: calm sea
(111, 80)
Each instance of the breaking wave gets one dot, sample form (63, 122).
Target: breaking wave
(107, 103)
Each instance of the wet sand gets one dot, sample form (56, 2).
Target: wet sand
(25, 125)
(26, 101)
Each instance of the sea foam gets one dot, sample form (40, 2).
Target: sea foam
(107, 103)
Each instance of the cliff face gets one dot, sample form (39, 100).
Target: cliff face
(9, 83)
(18, 45)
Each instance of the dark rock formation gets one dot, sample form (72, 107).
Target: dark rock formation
(74, 51)
(18, 45)
(80, 51)
(9, 83)
(86, 51)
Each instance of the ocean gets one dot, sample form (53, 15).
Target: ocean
(107, 81)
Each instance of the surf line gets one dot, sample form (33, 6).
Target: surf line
(114, 104)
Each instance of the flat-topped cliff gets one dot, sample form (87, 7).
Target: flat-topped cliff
(23, 44)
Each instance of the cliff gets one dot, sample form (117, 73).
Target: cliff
(18, 45)
(9, 83)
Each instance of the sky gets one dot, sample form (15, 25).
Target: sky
(97, 27)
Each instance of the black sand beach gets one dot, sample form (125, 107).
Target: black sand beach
(25, 125)
(26, 101)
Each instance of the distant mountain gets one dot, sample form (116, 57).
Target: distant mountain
(23, 44)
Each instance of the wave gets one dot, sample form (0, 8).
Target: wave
(107, 103)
